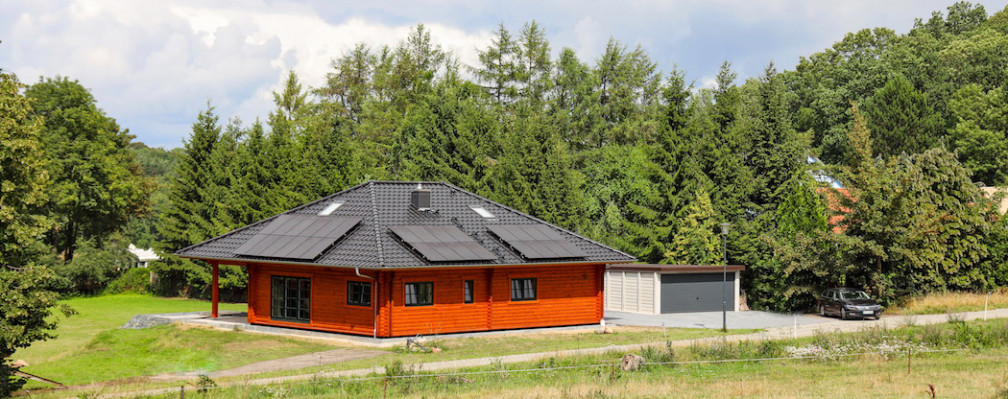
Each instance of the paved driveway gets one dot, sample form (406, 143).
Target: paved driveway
(747, 319)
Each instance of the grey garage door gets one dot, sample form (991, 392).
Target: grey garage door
(695, 292)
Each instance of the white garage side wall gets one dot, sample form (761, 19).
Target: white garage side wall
(631, 280)
(632, 291)
(737, 290)
(646, 292)
(613, 283)
(656, 298)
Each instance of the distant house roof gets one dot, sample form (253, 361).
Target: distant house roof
(992, 192)
(819, 175)
(378, 225)
(143, 255)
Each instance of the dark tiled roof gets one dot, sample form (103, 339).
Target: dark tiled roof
(382, 205)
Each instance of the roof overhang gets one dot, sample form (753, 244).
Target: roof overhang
(246, 262)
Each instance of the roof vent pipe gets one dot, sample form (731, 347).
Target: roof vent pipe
(420, 199)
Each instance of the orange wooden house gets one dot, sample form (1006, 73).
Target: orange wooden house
(387, 259)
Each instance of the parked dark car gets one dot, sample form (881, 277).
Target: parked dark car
(848, 303)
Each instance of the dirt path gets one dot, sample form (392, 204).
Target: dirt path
(889, 321)
(300, 362)
(288, 363)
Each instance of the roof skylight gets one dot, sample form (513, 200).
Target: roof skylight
(331, 208)
(482, 211)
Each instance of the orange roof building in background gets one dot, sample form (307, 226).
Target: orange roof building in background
(834, 202)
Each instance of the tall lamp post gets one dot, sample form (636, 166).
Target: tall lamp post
(724, 281)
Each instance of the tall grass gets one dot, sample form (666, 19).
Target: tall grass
(953, 302)
(872, 341)
(599, 376)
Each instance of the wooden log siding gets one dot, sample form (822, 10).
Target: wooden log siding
(329, 309)
(566, 295)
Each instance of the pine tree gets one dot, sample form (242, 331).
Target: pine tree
(534, 64)
(623, 207)
(696, 241)
(902, 119)
(349, 84)
(329, 160)
(574, 103)
(500, 68)
(448, 136)
(535, 172)
(250, 187)
(190, 217)
(287, 124)
(778, 151)
(628, 85)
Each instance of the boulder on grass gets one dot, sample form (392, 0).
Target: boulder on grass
(632, 362)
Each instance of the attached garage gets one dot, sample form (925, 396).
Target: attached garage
(655, 289)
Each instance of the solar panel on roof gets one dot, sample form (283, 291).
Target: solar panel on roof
(302, 237)
(442, 243)
(534, 241)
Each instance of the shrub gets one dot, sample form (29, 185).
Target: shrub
(30, 297)
(175, 276)
(135, 280)
(657, 356)
(94, 266)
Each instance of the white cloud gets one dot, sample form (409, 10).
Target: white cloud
(153, 66)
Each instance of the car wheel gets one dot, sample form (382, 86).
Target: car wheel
(822, 310)
(878, 315)
(843, 313)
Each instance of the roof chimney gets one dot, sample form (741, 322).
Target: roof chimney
(420, 199)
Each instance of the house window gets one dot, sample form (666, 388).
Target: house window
(291, 299)
(523, 289)
(419, 294)
(467, 291)
(358, 293)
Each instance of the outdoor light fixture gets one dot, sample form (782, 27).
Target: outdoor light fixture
(724, 281)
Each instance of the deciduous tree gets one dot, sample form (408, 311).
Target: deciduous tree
(24, 178)
(97, 185)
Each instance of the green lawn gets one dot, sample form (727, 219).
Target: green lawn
(117, 354)
(98, 314)
(960, 375)
(90, 347)
(978, 372)
(527, 342)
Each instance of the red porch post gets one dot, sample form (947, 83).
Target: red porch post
(214, 292)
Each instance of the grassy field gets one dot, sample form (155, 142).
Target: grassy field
(119, 354)
(467, 348)
(970, 375)
(98, 314)
(953, 302)
(976, 369)
(90, 346)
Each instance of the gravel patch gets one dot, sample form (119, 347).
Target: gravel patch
(142, 321)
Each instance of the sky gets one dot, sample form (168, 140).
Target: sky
(154, 65)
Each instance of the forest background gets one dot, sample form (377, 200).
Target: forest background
(910, 125)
